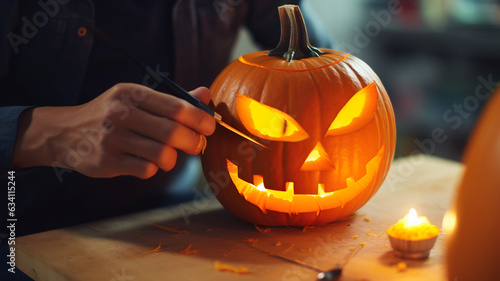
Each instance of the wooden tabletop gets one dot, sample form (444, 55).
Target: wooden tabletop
(183, 242)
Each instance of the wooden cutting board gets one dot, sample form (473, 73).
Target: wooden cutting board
(121, 249)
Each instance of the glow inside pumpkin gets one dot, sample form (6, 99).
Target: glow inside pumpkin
(357, 112)
(317, 160)
(268, 123)
(289, 202)
(272, 124)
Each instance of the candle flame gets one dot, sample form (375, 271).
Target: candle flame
(412, 218)
(413, 227)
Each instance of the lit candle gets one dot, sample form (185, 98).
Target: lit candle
(413, 236)
(413, 227)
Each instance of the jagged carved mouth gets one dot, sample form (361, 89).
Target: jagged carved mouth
(289, 202)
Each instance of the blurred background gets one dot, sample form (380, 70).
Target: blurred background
(438, 59)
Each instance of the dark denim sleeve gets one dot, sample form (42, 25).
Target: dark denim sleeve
(8, 114)
(8, 129)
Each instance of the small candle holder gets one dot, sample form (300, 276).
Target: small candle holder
(412, 249)
(412, 237)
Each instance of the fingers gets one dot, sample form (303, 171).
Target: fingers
(168, 106)
(140, 156)
(129, 165)
(164, 156)
(164, 131)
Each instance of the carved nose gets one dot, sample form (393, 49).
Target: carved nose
(317, 160)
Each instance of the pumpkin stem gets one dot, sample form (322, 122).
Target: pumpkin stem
(294, 42)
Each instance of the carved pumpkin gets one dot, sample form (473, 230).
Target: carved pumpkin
(325, 118)
(473, 224)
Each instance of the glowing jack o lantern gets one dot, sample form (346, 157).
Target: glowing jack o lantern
(326, 120)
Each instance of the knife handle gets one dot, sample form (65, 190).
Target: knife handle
(177, 91)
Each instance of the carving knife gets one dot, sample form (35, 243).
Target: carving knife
(175, 90)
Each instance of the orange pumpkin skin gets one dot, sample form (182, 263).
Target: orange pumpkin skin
(312, 91)
(472, 244)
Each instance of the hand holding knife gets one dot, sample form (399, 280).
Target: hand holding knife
(175, 90)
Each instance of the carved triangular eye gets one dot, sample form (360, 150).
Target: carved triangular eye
(358, 111)
(267, 122)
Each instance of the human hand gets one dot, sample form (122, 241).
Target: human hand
(128, 130)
